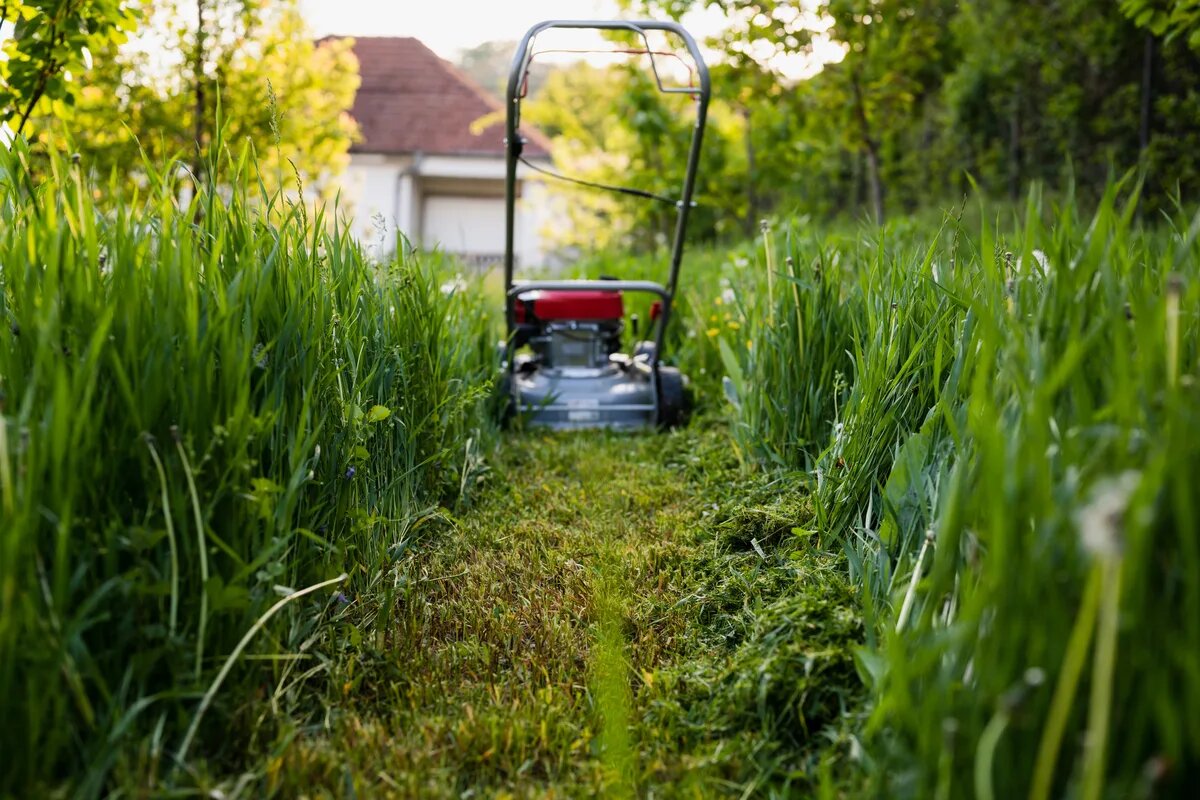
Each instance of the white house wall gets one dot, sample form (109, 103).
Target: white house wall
(370, 189)
(535, 216)
(452, 202)
(472, 226)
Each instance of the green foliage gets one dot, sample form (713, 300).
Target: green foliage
(488, 63)
(204, 407)
(250, 66)
(49, 48)
(1167, 17)
(852, 107)
(1003, 464)
(613, 126)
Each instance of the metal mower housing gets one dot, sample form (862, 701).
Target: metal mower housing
(562, 362)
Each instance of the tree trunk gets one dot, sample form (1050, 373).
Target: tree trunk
(929, 179)
(856, 182)
(198, 59)
(875, 181)
(751, 192)
(871, 148)
(1147, 98)
(1014, 147)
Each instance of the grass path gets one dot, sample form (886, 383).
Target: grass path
(617, 616)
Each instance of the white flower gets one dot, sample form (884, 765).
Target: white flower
(456, 284)
(1043, 263)
(1101, 522)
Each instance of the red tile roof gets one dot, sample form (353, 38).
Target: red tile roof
(411, 101)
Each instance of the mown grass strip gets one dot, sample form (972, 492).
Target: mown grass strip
(597, 622)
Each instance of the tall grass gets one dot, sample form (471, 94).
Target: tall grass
(1008, 461)
(205, 407)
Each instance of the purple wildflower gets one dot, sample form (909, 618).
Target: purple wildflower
(349, 472)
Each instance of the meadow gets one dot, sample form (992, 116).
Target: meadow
(931, 534)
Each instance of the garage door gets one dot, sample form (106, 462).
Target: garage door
(472, 227)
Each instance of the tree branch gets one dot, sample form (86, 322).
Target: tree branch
(51, 67)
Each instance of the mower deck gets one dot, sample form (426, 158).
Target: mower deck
(617, 396)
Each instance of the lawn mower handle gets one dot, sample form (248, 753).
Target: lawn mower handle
(513, 144)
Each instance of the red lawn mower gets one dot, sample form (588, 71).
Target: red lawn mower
(573, 374)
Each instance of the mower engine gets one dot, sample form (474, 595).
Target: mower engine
(574, 375)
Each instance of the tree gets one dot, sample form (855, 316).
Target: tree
(915, 100)
(611, 125)
(250, 66)
(51, 43)
(488, 63)
(929, 91)
(893, 52)
(1167, 17)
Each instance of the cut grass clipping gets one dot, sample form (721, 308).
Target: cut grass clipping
(629, 619)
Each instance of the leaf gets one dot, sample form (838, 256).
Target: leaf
(871, 665)
(731, 392)
(265, 487)
(225, 598)
(904, 492)
(733, 368)
(378, 413)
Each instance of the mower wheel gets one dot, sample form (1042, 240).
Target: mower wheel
(673, 401)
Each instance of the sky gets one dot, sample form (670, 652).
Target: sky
(449, 26)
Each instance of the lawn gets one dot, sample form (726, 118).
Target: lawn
(587, 627)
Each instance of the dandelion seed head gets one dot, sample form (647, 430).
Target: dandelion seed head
(1101, 522)
(454, 285)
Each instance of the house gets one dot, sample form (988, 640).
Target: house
(424, 168)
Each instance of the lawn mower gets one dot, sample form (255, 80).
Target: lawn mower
(562, 362)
